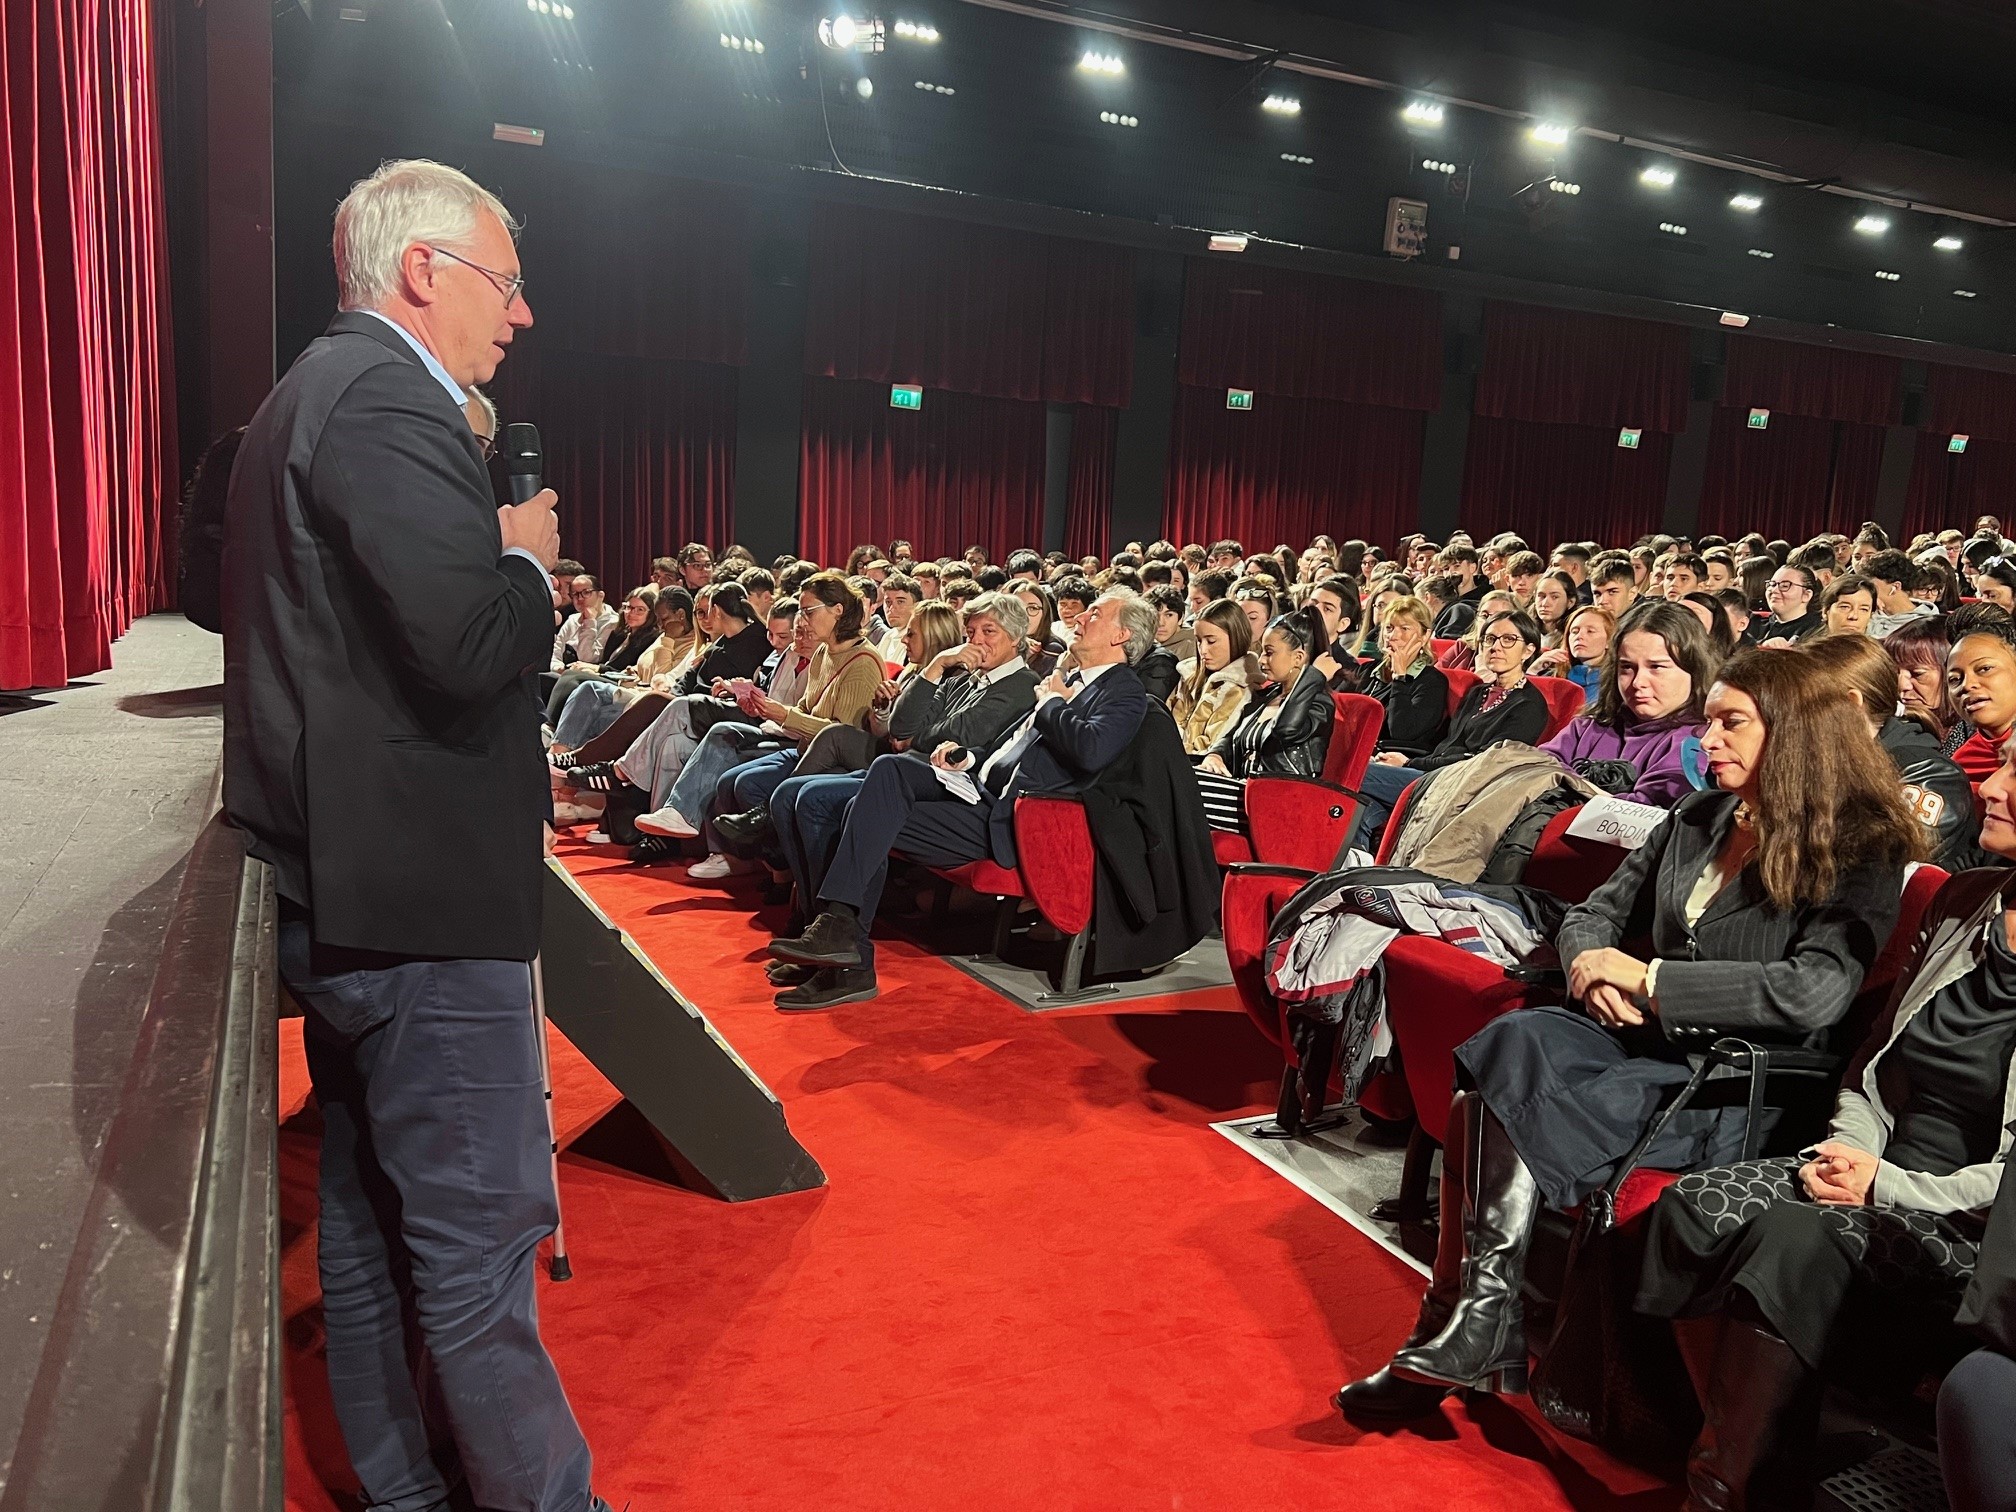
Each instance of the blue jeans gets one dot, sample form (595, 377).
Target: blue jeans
(1382, 787)
(719, 752)
(436, 1189)
(808, 814)
(748, 786)
(591, 709)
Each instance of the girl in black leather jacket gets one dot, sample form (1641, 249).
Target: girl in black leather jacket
(1284, 730)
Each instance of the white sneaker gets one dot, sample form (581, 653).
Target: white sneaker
(565, 814)
(717, 866)
(666, 821)
(601, 837)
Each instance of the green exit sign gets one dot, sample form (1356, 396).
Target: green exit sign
(1760, 419)
(1239, 399)
(1628, 437)
(1956, 444)
(908, 396)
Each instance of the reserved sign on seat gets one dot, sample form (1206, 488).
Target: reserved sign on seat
(1616, 821)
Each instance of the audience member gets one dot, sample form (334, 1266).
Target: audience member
(1407, 681)
(1213, 686)
(1553, 597)
(587, 630)
(1846, 606)
(1651, 697)
(1284, 728)
(1919, 648)
(1584, 650)
(1789, 595)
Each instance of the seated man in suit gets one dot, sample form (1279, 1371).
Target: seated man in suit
(959, 805)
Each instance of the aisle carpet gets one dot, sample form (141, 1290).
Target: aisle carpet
(1036, 1280)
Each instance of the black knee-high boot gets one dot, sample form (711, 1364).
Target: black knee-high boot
(1483, 1344)
(1383, 1394)
(1759, 1412)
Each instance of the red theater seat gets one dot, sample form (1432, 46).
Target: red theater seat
(1439, 648)
(1460, 682)
(1564, 702)
(1301, 821)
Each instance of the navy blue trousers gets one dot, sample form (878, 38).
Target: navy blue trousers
(901, 806)
(436, 1188)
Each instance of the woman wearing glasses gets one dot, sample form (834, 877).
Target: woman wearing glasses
(1503, 706)
(1789, 596)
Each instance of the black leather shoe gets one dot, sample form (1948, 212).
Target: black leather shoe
(746, 834)
(829, 988)
(828, 941)
(789, 974)
(1388, 1397)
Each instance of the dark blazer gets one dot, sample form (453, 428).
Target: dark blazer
(1078, 738)
(740, 655)
(1745, 966)
(1156, 885)
(1521, 717)
(1417, 709)
(381, 747)
(1158, 674)
(927, 714)
(1294, 743)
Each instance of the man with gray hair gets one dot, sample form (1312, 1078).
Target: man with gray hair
(381, 752)
(959, 806)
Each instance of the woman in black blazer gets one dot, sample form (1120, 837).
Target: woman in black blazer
(1503, 706)
(1407, 681)
(1284, 730)
(1766, 899)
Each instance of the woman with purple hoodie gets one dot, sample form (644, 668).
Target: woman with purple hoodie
(1655, 680)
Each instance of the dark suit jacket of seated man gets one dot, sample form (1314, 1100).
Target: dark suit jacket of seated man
(1083, 720)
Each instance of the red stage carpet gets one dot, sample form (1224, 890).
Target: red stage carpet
(1036, 1280)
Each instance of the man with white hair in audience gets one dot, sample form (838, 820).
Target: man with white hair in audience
(953, 805)
(382, 755)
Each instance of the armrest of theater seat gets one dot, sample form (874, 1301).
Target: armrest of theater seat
(1252, 895)
(1298, 821)
(1053, 848)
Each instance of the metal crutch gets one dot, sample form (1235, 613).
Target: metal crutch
(558, 1268)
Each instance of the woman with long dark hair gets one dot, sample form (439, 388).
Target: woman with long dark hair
(1284, 729)
(1766, 898)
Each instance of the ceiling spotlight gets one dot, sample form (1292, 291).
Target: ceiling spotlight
(740, 44)
(1296, 157)
(1672, 228)
(865, 87)
(1101, 63)
(1436, 165)
(1227, 241)
(1282, 105)
(1422, 113)
(916, 31)
(845, 33)
(1658, 178)
(1114, 118)
(1760, 252)
(1746, 202)
(1872, 225)
(1731, 318)
(1563, 186)
(1551, 134)
(1887, 276)
(929, 88)
(1949, 244)
(1965, 294)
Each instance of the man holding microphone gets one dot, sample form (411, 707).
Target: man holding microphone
(381, 752)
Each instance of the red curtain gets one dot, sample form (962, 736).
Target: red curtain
(963, 470)
(1309, 335)
(1565, 367)
(1952, 491)
(1972, 401)
(1823, 383)
(978, 309)
(1289, 469)
(641, 451)
(1554, 483)
(1792, 481)
(1088, 515)
(87, 450)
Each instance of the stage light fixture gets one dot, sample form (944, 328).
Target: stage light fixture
(741, 44)
(1760, 252)
(1436, 165)
(929, 88)
(1227, 241)
(1672, 228)
(1746, 202)
(1422, 113)
(916, 31)
(1281, 105)
(1965, 294)
(1101, 63)
(1551, 133)
(1731, 318)
(1658, 178)
(865, 87)
(1872, 225)
(845, 33)
(1563, 186)
(1949, 244)
(1114, 118)
(524, 136)
(1296, 157)
(1887, 276)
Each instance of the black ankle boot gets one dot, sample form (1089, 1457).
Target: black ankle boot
(1760, 1412)
(1482, 1346)
(830, 940)
(746, 834)
(1383, 1394)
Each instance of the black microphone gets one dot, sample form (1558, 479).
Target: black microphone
(523, 460)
